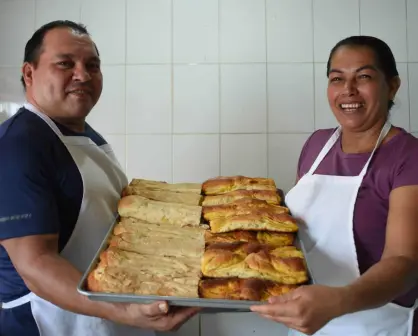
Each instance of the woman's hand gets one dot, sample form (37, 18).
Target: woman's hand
(306, 309)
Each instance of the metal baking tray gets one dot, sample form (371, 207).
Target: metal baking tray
(209, 305)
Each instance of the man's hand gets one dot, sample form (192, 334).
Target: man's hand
(156, 316)
(306, 309)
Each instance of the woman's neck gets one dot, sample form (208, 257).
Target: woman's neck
(353, 142)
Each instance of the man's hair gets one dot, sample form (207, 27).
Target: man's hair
(33, 48)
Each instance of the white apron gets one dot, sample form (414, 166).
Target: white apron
(324, 206)
(103, 181)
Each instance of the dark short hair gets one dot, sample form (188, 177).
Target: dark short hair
(33, 48)
(383, 55)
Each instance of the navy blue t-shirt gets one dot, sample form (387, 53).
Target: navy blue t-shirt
(41, 189)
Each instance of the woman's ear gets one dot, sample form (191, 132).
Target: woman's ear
(394, 85)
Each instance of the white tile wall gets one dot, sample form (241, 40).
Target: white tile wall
(194, 89)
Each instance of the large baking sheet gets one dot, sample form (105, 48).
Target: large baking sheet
(209, 305)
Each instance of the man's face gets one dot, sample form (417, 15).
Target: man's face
(67, 81)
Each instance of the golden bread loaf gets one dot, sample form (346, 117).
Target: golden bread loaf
(285, 265)
(159, 212)
(195, 188)
(226, 184)
(165, 196)
(269, 196)
(261, 237)
(242, 289)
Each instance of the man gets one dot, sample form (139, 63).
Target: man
(59, 187)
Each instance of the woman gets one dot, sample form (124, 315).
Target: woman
(357, 201)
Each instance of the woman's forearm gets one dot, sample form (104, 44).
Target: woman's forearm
(381, 284)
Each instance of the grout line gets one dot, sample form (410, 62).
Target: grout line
(359, 16)
(267, 90)
(172, 89)
(126, 91)
(35, 6)
(313, 63)
(219, 90)
(407, 65)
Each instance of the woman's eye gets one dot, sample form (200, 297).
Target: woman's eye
(335, 79)
(364, 76)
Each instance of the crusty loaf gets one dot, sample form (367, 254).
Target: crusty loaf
(242, 289)
(242, 206)
(271, 197)
(162, 239)
(195, 188)
(127, 272)
(257, 220)
(225, 184)
(285, 265)
(159, 212)
(164, 196)
(262, 237)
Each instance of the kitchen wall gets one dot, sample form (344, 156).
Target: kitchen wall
(199, 88)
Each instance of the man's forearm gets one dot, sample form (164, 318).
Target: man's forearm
(382, 283)
(55, 280)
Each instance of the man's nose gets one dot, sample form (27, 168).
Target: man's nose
(81, 74)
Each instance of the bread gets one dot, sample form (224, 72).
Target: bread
(261, 237)
(258, 220)
(240, 207)
(225, 184)
(285, 265)
(127, 272)
(164, 196)
(163, 239)
(242, 289)
(195, 188)
(159, 212)
(269, 196)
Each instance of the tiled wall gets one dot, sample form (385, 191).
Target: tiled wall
(198, 88)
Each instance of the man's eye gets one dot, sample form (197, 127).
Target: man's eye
(64, 64)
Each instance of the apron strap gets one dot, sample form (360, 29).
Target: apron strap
(45, 118)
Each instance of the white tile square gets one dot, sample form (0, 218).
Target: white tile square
(412, 29)
(17, 23)
(386, 19)
(285, 148)
(51, 10)
(244, 154)
(149, 31)
(400, 111)
(105, 20)
(242, 31)
(334, 21)
(195, 157)
(118, 144)
(413, 95)
(196, 99)
(289, 31)
(149, 157)
(324, 117)
(195, 31)
(108, 116)
(148, 98)
(11, 89)
(291, 110)
(243, 98)
(415, 134)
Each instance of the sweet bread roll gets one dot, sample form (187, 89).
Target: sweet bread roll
(225, 184)
(126, 272)
(261, 237)
(259, 220)
(195, 188)
(242, 289)
(285, 265)
(164, 196)
(240, 207)
(162, 239)
(159, 212)
(269, 196)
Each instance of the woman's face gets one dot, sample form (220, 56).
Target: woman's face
(358, 91)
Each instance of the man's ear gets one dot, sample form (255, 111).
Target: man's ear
(27, 73)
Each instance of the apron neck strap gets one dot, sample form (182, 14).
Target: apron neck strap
(44, 117)
(335, 136)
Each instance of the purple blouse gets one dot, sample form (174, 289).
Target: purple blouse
(395, 164)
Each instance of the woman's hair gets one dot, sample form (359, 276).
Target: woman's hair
(385, 60)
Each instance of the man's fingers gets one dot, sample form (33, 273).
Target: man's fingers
(155, 309)
(182, 315)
